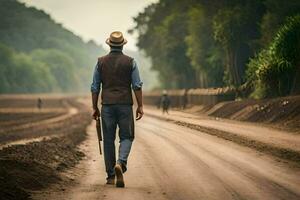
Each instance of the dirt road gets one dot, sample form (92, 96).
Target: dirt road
(174, 162)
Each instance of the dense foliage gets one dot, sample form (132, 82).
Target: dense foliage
(199, 43)
(40, 55)
(20, 73)
(276, 70)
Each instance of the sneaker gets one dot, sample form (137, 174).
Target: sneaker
(119, 174)
(110, 181)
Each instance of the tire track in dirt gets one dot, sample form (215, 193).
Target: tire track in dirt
(280, 152)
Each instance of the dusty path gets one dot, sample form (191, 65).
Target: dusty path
(173, 162)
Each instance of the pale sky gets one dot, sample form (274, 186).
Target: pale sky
(94, 19)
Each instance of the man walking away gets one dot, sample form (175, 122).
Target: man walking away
(165, 102)
(117, 74)
(39, 103)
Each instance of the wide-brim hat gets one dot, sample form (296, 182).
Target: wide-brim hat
(116, 39)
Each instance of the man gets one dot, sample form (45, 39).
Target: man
(117, 74)
(39, 103)
(165, 102)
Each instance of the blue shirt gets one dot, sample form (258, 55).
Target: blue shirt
(136, 82)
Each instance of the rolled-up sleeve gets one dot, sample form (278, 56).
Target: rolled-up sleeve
(135, 77)
(96, 84)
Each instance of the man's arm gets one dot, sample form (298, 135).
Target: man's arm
(95, 89)
(137, 87)
(96, 112)
(139, 99)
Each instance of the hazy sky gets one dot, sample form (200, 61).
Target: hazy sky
(94, 19)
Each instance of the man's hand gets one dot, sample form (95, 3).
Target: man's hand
(139, 112)
(96, 113)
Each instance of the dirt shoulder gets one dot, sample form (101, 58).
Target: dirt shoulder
(282, 113)
(36, 165)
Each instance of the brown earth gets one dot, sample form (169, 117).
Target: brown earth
(168, 160)
(35, 165)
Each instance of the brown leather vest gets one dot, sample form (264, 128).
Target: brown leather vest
(115, 70)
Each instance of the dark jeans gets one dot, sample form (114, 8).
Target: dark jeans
(113, 116)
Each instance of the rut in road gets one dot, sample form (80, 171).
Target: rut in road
(173, 162)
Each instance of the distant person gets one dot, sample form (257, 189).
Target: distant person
(165, 102)
(39, 103)
(118, 74)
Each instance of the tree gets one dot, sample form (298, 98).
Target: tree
(20, 74)
(235, 28)
(276, 13)
(61, 66)
(204, 56)
(162, 30)
(207, 41)
(60, 52)
(276, 70)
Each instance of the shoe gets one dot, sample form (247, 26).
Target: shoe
(110, 181)
(119, 174)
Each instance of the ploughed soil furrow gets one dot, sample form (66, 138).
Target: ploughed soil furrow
(37, 123)
(31, 102)
(6, 121)
(51, 129)
(33, 166)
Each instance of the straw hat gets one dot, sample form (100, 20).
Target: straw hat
(116, 39)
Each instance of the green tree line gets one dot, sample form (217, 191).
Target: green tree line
(39, 55)
(252, 45)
